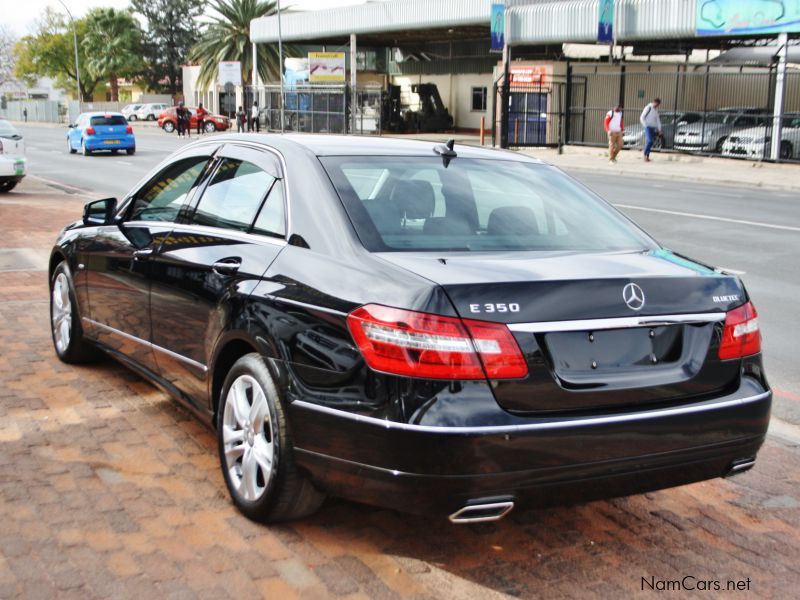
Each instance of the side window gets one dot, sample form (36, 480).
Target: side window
(233, 196)
(271, 220)
(161, 199)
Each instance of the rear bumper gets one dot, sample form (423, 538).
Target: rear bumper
(437, 470)
(122, 142)
(12, 167)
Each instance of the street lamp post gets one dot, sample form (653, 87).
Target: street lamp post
(75, 43)
(280, 63)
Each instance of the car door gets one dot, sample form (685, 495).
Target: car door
(211, 261)
(74, 133)
(116, 257)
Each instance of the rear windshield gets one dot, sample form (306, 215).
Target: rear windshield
(418, 204)
(7, 129)
(109, 120)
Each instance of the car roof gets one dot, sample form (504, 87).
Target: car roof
(103, 113)
(350, 145)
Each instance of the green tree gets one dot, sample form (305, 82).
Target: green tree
(171, 30)
(113, 44)
(49, 52)
(227, 37)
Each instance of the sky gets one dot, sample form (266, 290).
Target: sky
(25, 13)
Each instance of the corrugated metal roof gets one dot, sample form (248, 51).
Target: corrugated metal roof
(373, 17)
(576, 21)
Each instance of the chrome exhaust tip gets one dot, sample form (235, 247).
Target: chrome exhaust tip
(482, 511)
(740, 466)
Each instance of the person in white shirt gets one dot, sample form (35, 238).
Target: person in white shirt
(651, 122)
(614, 126)
(253, 123)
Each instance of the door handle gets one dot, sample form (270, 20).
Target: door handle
(226, 267)
(142, 253)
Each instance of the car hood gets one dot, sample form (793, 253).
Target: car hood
(709, 128)
(753, 132)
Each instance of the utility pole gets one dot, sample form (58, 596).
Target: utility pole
(75, 43)
(780, 93)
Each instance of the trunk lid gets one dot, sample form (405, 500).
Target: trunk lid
(598, 331)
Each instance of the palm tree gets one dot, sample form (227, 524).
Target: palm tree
(227, 37)
(113, 46)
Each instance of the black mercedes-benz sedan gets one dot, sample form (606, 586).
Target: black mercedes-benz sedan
(433, 328)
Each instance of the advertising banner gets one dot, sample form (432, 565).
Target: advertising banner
(746, 17)
(497, 25)
(326, 66)
(229, 71)
(530, 76)
(605, 22)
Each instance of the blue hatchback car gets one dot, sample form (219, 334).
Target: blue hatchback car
(94, 131)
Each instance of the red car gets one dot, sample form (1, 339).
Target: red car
(168, 120)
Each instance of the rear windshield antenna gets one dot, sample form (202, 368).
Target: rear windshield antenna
(446, 151)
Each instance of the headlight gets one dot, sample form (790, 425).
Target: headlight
(762, 140)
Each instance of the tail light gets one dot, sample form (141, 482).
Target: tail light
(1, 147)
(90, 131)
(415, 344)
(741, 335)
(129, 129)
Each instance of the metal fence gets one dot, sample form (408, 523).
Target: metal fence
(318, 108)
(705, 110)
(42, 111)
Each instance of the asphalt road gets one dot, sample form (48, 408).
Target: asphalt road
(753, 232)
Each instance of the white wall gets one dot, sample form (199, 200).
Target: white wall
(456, 93)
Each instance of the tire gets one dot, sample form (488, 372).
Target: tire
(130, 151)
(132, 118)
(720, 142)
(7, 186)
(255, 439)
(70, 148)
(150, 118)
(84, 150)
(65, 323)
(786, 152)
(209, 127)
(168, 126)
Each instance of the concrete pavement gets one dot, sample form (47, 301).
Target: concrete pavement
(110, 489)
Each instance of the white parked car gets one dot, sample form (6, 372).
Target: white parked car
(12, 156)
(756, 143)
(129, 111)
(150, 112)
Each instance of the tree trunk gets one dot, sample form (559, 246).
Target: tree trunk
(114, 88)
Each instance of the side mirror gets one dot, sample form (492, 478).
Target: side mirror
(100, 212)
(71, 125)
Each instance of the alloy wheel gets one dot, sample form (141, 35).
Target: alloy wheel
(61, 313)
(248, 438)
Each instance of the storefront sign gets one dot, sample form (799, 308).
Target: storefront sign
(497, 25)
(745, 17)
(229, 71)
(326, 66)
(529, 75)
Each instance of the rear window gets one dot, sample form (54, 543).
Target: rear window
(109, 120)
(418, 204)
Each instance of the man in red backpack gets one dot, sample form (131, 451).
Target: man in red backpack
(614, 126)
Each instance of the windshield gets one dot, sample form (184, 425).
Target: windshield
(418, 204)
(109, 120)
(7, 129)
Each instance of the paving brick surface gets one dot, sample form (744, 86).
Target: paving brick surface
(108, 489)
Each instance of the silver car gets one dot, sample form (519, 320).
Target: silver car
(709, 134)
(634, 134)
(129, 111)
(150, 112)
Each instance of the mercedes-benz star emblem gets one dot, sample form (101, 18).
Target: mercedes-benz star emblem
(633, 296)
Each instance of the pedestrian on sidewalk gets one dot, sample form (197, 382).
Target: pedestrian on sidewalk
(25, 114)
(241, 119)
(201, 115)
(179, 119)
(615, 127)
(254, 123)
(651, 122)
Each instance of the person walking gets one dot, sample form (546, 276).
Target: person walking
(179, 120)
(201, 115)
(651, 122)
(241, 119)
(254, 123)
(615, 127)
(25, 114)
